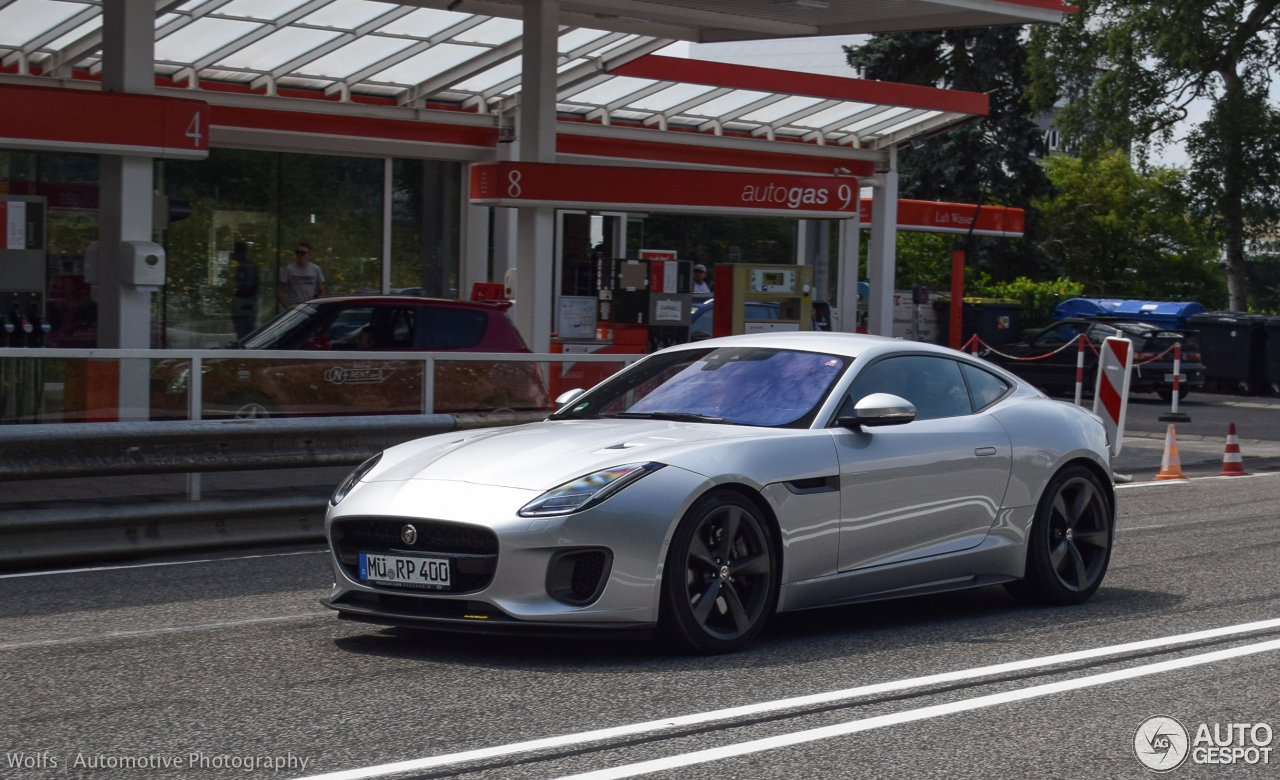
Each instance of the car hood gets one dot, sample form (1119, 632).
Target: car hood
(543, 455)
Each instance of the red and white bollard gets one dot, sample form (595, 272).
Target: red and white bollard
(1079, 367)
(1174, 415)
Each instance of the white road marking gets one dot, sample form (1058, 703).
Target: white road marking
(922, 713)
(748, 710)
(161, 563)
(157, 631)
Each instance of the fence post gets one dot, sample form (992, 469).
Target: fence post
(1079, 368)
(428, 384)
(195, 411)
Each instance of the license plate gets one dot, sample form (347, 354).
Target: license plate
(426, 573)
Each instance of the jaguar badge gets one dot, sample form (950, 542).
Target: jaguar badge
(408, 534)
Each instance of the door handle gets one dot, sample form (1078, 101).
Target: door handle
(980, 451)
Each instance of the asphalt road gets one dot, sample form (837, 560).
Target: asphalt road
(233, 657)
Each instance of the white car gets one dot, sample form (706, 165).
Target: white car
(712, 484)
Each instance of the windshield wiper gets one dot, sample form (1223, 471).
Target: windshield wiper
(675, 417)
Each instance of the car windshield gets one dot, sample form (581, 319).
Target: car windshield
(730, 385)
(287, 321)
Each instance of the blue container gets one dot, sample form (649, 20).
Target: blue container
(1086, 307)
(1168, 314)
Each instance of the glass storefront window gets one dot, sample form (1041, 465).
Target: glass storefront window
(426, 207)
(250, 212)
(222, 261)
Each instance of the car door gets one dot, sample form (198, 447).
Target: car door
(928, 487)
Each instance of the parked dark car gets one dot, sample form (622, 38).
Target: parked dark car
(255, 387)
(1057, 374)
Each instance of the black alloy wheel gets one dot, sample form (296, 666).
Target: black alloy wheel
(720, 584)
(1070, 544)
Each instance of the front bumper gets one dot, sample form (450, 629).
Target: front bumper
(633, 526)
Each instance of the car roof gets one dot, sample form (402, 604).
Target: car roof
(401, 299)
(845, 344)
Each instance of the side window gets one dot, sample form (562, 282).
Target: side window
(402, 329)
(1101, 333)
(449, 327)
(932, 384)
(985, 388)
(1060, 334)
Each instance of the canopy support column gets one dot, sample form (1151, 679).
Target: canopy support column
(535, 262)
(847, 272)
(882, 251)
(125, 202)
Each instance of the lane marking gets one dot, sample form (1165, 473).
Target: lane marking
(649, 727)
(158, 631)
(922, 713)
(161, 563)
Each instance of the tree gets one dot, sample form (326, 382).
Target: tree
(1129, 70)
(997, 153)
(1128, 234)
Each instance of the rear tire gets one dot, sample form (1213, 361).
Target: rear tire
(1070, 544)
(1167, 395)
(720, 582)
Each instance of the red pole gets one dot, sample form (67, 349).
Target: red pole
(957, 296)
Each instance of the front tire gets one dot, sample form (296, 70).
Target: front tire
(1070, 544)
(720, 582)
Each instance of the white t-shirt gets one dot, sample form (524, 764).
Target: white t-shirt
(701, 287)
(301, 282)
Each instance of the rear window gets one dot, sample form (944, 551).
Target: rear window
(446, 327)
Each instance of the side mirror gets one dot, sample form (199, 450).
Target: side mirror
(568, 397)
(879, 409)
(699, 335)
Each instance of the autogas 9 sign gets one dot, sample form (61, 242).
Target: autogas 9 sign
(663, 189)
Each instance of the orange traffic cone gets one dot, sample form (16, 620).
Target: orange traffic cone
(1232, 465)
(1170, 463)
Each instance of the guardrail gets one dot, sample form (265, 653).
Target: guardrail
(74, 533)
(196, 360)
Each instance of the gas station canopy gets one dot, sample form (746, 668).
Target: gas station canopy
(426, 56)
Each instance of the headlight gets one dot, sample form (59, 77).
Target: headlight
(585, 492)
(353, 479)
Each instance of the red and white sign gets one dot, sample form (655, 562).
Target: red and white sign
(1111, 398)
(662, 189)
(77, 120)
(930, 217)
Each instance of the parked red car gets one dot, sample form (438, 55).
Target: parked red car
(255, 387)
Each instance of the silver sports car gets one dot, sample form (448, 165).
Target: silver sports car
(710, 485)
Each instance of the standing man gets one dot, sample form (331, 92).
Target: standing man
(301, 280)
(700, 285)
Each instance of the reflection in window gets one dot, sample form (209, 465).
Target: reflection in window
(932, 384)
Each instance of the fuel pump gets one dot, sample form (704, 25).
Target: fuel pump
(22, 269)
(782, 295)
(647, 300)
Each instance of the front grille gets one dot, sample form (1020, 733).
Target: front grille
(381, 535)
(472, 551)
(587, 569)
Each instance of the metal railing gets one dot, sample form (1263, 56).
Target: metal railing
(75, 531)
(196, 359)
